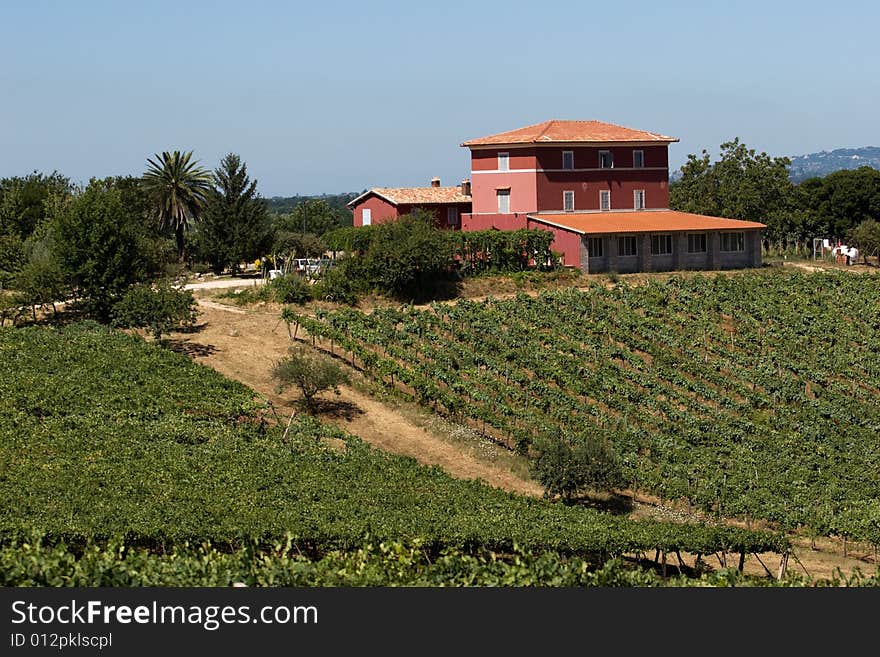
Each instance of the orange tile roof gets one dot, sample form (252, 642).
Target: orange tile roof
(416, 195)
(554, 131)
(641, 221)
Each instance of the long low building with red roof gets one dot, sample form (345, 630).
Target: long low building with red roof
(601, 189)
(381, 204)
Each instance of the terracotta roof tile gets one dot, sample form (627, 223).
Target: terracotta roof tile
(416, 195)
(555, 131)
(641, 221)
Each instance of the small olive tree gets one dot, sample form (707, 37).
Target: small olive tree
(310, 372)
(566, 468)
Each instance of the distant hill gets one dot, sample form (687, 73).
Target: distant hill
(822, 163)
(825, 162)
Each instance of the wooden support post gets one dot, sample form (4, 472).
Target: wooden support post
(783, 566)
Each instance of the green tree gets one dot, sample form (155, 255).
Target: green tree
(741, 184)
(310, 372)
(101, 248)
(41, 281)
(161, 308)
(24, 205)
(313, 215)
(235, 225)
(23, 201)
(835, 204)
(178, 189)
(866, 238)
(566, 468)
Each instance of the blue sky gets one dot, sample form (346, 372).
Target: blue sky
(332, 97)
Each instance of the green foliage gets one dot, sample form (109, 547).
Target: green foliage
(503, 250)
(102, 435)
(866, 237)
(178, 189)
(340, 282)
(100, 246)
(36, 561)
(701, 385)
(315, 216)
(289, 288)
(234, 226)
(23, 201)
(566, 469)
(840, 201)
(741, 184)
(160, 308)
(291, 245)
(312, 373)
(40, 281)
(280, 206)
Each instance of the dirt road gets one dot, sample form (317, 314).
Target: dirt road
(244, 344)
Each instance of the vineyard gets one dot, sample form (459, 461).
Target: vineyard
(106, 438)
(754, 396)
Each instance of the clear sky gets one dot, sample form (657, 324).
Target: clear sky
(331, 97)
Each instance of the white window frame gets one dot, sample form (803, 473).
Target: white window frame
(692, 239)
(595, 241)
(605, 199)
(503, 194)
(452, 216)
(570, 155)
(663, 244)
(602, 159)
(639, 193)
(738, 236)
(627, 239)
(641, 163)
(366, 216)
(504, 161)
(568, 195)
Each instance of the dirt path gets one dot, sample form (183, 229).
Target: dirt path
(244, 344)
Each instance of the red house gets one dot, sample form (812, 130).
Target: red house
(603, 191)
(381, 204)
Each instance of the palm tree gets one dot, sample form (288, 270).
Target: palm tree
(179, 190)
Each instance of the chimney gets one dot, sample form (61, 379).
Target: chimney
(466, 187)
(435, 182)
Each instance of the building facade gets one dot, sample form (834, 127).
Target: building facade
(445, 204)
(603, 190)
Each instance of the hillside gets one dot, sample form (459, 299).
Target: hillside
(824, 162)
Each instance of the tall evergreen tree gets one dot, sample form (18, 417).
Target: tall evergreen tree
(235, 226)
(177, 187)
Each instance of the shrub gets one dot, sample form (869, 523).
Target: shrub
(309, 372)
(290, 288)
(565, 468)
(160, 308)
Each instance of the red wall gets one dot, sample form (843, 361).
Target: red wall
(587, 157)
(438, 212)
(542, 191)
(523, 193)
(564, 242)
(380, 209)
(500, 221)
(487, 160)
(586, 186)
